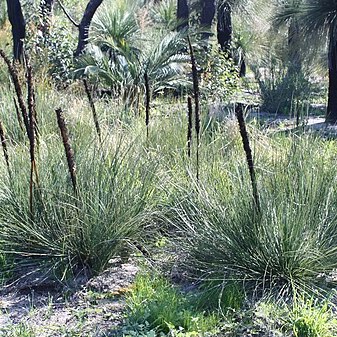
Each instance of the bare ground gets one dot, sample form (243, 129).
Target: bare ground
(95, 309)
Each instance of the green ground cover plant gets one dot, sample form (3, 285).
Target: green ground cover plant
(154, 304)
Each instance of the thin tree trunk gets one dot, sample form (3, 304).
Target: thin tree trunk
(85, 24)
(182, 14)
(18, 23)
(331, 116)
(206, 17)
(31, 109)
(243, 67)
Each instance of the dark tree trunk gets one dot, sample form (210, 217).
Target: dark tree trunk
(46, 8)
(224, 26)
(294, 54)
(85, 24)
(18, 23)
(206, 17)
(225, 33)
(331, 115)
(182, 14)
(243, 67)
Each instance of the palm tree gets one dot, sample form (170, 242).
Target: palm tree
(124, 73)
(318, 21)
(119, 58)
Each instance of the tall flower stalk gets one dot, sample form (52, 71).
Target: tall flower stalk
(67, 147)
(4, 148)
(93, 109)
(196, 93)
(18, 90)
(190, 125)
(31, 134)
(147, 103)
(248, 151)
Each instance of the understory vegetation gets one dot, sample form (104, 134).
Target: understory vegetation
(193, 161)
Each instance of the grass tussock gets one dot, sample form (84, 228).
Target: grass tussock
(220, 236)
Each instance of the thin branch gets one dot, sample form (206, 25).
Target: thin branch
(67, 14)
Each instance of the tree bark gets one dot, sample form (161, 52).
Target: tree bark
(18, 23)
(85, 24)
(224, 26)
(294, 53)
(331, 115)
(182, 14)
(206, 16)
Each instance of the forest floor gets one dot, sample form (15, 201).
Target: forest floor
(283, 123)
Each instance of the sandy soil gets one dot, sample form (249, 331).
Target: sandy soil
(94, 309)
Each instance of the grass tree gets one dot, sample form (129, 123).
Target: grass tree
(225, 9)
(206, 16)
(119, 57)
(318, 19)
(18, 23)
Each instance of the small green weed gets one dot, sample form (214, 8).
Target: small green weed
(303, 318)
(155, 304)
(20, 330)
(311, 319)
